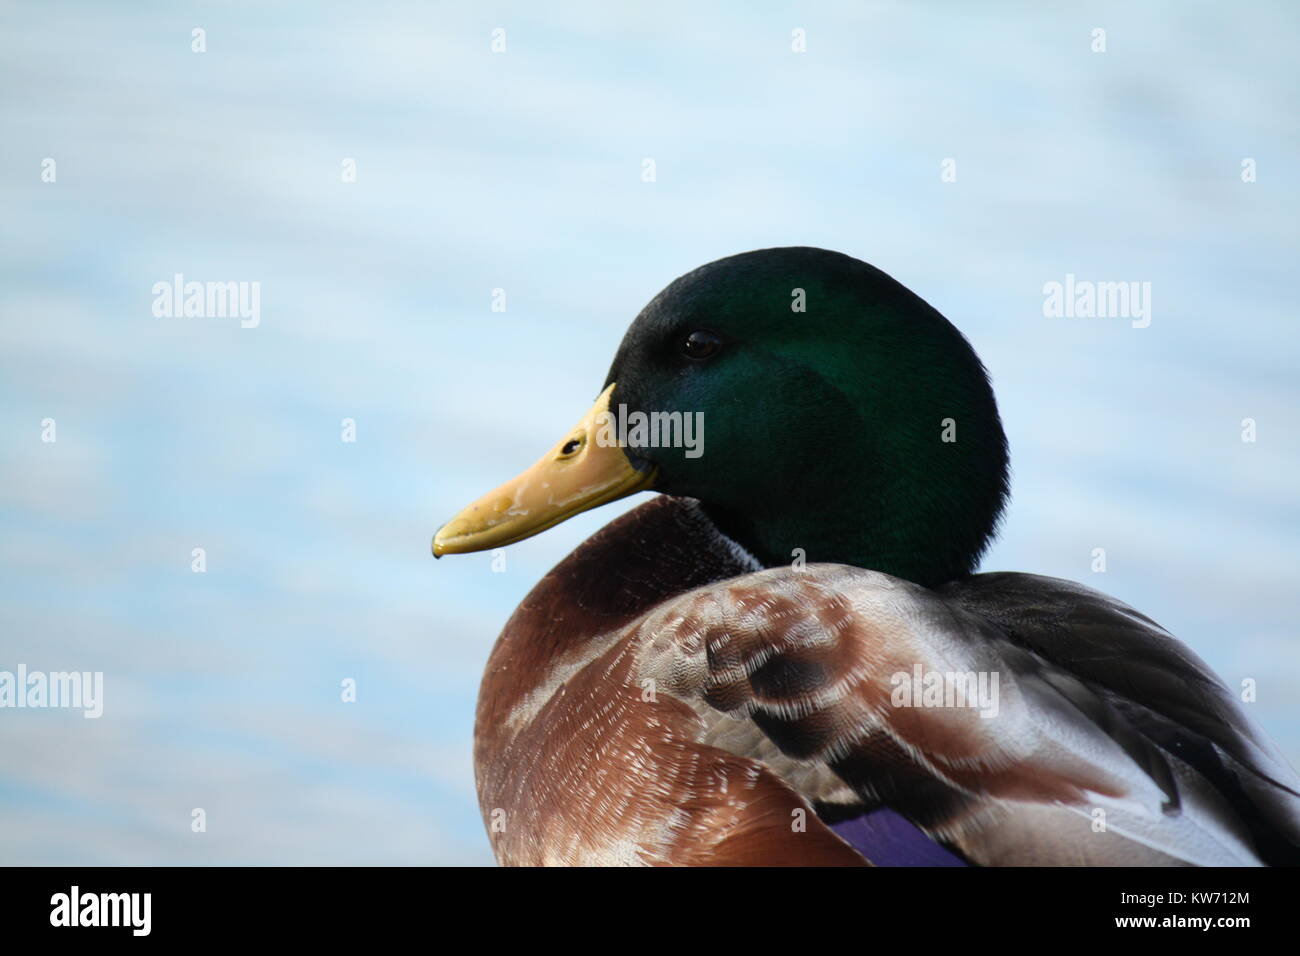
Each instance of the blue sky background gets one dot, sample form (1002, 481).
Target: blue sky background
(522, 171)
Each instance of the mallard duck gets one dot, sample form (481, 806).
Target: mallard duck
(787, 657)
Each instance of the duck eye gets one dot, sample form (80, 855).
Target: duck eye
(700, 345)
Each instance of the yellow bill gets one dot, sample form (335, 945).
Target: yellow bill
(577, 474)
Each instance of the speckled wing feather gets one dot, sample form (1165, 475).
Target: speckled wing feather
(1053, 768)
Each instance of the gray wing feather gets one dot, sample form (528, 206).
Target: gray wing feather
(1163, 692)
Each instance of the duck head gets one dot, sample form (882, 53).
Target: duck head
(812, 404)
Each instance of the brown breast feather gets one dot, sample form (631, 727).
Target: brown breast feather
(577, 762)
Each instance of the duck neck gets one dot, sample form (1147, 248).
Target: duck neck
(920, 533)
